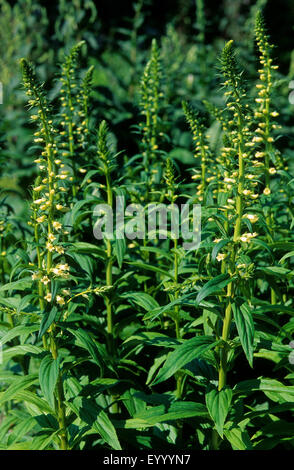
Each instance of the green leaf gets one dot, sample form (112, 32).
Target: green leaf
(21, 350)
(159, 414)
(76, 209)
(177, 410)
(40, 405)
(144, 300)
(6, 424)
(87, 248)
(84, 264)
(152, 371)
(245, 327)
(277, 391)
(37, 443)
(269, 308)
(154, 339)
(158, 251)
(272, 388)
(151, 315)
(93, 415)
(47, 320)
(183, 155)
(209, 321)
(21, 284)
(21, 383)
(120, 249)
(277, 271)
(21, 430)
(218, 247)
(213, 286)
(88, 344)
(286, 256)
(48, 375)
(238, 438)
(106, 429)
(218, 405)
(149, 267)
(17, 331)
(183, 354)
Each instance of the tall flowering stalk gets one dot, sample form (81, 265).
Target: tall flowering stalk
(235, 194)
(46, 207)
(235, 104)
(265, 114)
(171, 195)
(106, 167)
(265, 117)
(202, 150)
(150, 107)
(69, 101)
(84, 98)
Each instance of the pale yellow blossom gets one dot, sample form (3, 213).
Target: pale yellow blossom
(60, 300)
(57, 225)
(45, 280)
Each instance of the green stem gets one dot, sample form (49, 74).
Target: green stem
(237, 233)
(109, 265)
(203, 168)
(108, 303)
(225, 337)
(215, 440)
(177, 319)
(268, 150)
(60, 411)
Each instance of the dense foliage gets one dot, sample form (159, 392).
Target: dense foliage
(139, 342)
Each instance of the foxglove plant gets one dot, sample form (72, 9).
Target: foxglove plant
(47, 209)
(114, 344)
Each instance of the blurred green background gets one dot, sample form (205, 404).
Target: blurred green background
(191, 34)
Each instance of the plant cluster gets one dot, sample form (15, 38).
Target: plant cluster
(121, 343)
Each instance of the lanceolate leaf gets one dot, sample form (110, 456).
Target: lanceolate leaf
(151, 315)
(21, 384)
(21, 350)
(21, 284)
(272, 388)
(88, 344)
(218, 404)
(92, 414)
(245, 327)
(183, 354)
(213, 286)
(149, 267)
(239, 439)
(218, 247)
(87, 248)
(277, 271)
(120, 249)
(47, 320)
(41, 405)
(141, 298)
(161, 414)
(286, 256)
(48, 375)
(17, 331)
